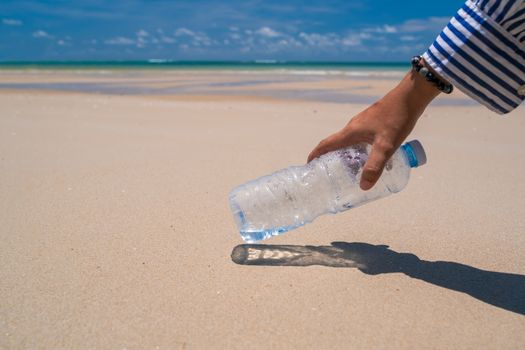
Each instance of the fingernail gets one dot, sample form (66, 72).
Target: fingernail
(365, 185)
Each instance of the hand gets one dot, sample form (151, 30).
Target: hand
(384, 125)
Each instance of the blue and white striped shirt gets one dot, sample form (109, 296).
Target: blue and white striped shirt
(482, 52)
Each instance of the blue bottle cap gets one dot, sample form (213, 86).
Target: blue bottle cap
(415, 153)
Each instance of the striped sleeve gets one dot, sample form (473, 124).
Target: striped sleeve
(482, 52)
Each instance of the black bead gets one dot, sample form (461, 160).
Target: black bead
(429, 76)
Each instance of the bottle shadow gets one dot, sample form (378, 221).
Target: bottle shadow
(503, 290)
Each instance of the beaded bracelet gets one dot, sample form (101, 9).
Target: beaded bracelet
(429, 76)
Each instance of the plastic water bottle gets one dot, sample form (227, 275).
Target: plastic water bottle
(295, 196)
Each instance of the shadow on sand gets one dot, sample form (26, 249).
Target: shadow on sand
(503, 290)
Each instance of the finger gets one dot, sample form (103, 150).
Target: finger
(374, 166)
(327, 145)
(332, 143)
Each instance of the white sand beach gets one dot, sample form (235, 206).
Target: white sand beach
(116, 231)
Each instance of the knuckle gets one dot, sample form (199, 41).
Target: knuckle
(385, 146)
(372, 170)
(322, 143)
(354, 126)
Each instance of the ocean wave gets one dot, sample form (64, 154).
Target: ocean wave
(350, 73)
(159, 60)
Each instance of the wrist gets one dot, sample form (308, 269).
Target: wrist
(417, 93)
(421, 91)
(420, 66)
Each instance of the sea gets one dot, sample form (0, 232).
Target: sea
(255, 65)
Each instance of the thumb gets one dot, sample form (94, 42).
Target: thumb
(374, 166)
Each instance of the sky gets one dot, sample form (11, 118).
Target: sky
(291, 30)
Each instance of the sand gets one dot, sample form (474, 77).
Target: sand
(116, 231)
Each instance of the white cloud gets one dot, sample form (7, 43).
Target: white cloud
(389, 29)
(234, 36)
(168, 40)
(316, 39)
(408, 38)
(334, 40)
(258, 39)
(120, 40)
(268, 32)
(61, 43)
(295, 42)
(428, 24)
(42, 35)
(11, 22)
(386, 28)
(142, 38)
(184, 32)
(351, 40)
(197, 38)
(411, 26)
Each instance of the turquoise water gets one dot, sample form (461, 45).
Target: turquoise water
(251, 236)
(205, 65)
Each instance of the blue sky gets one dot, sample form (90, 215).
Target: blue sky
(380, 30)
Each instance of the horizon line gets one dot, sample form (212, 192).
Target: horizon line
(170, 61)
